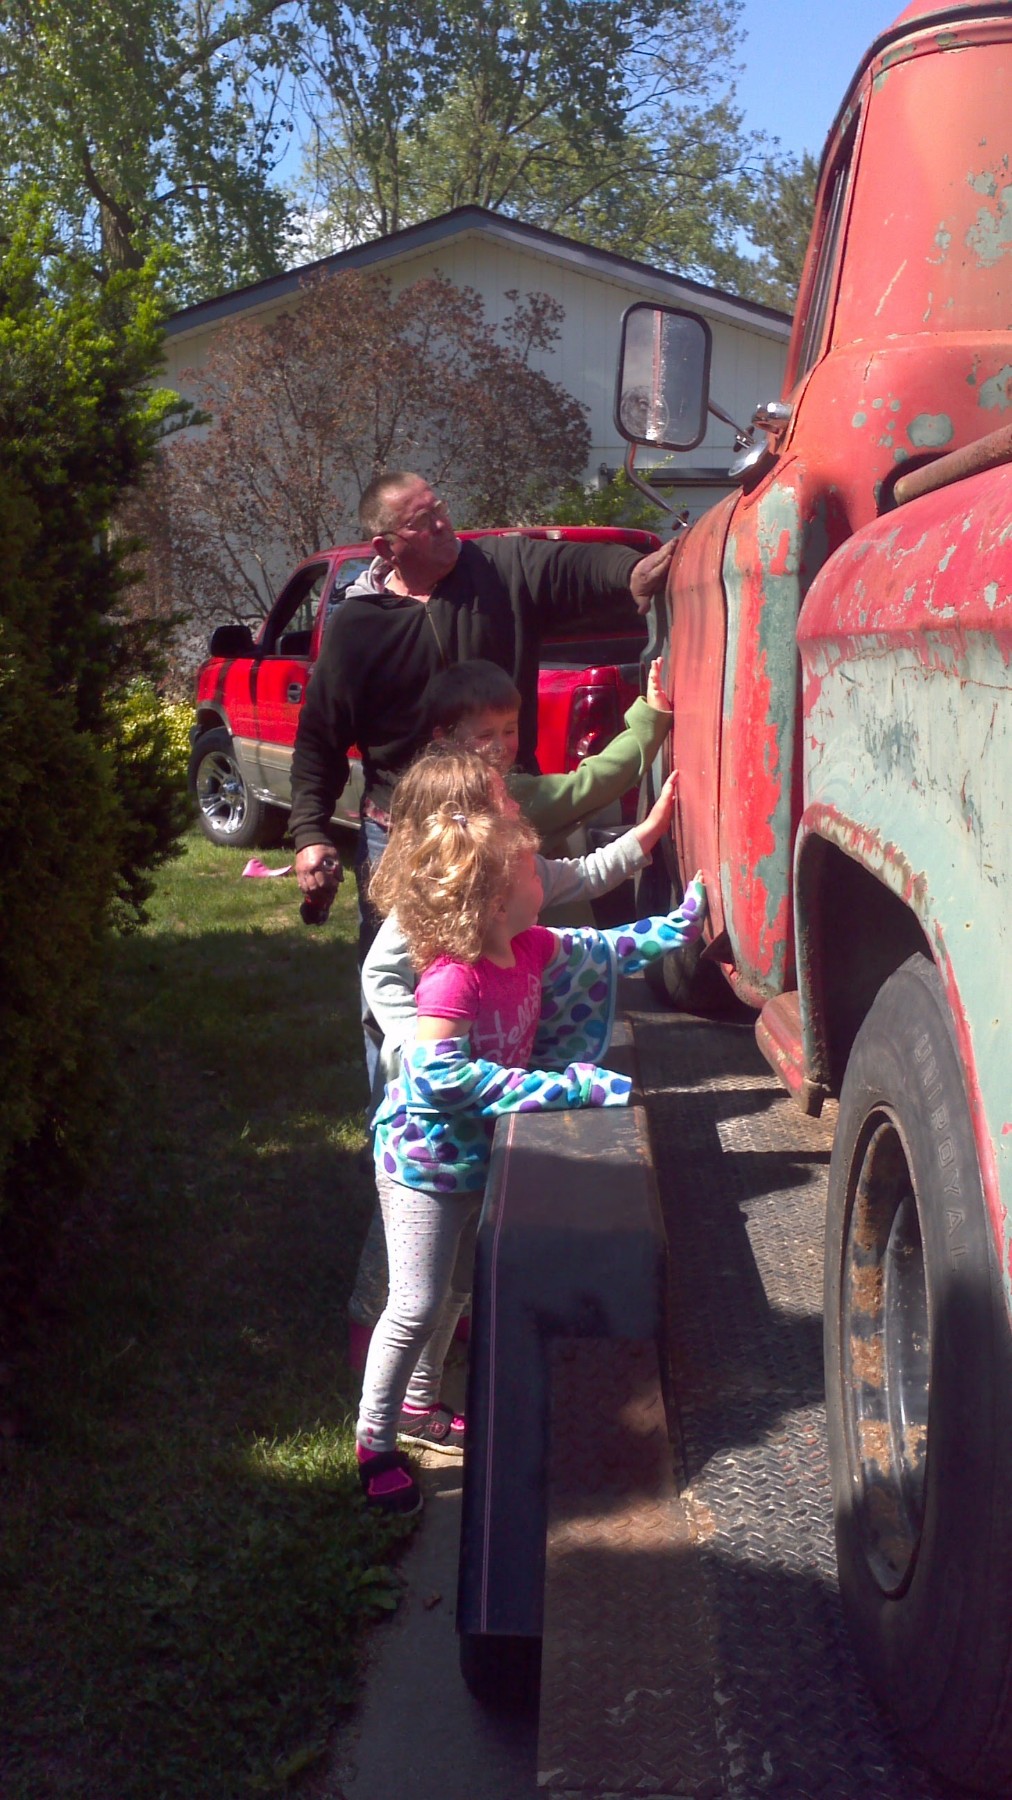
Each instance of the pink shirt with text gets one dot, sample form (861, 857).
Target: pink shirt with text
(500, 1006)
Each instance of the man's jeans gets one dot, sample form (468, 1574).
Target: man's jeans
(372, 841)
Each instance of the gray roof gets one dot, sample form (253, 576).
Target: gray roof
(458, 223)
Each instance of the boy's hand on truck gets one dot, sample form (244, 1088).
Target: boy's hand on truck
(656, 697)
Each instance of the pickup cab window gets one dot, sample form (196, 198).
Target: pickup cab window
(289, 628)
(816, 298)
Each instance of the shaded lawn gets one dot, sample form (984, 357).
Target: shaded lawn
(185, 1564)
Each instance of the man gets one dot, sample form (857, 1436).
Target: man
(426, 602)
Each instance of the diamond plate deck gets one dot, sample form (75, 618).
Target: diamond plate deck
(721, 1590)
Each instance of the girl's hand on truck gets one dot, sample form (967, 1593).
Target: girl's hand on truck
(657, 823)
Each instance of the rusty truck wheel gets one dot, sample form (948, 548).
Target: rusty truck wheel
(919, 1390)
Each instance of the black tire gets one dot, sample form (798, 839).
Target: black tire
(678, 979)
(228, 812)
(919, 1390)
(504, 1673)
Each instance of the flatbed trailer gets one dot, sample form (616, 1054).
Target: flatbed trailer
(693, 1640)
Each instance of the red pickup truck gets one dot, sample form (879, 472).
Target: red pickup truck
(250, 691)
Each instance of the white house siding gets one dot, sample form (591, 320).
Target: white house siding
(492, 256)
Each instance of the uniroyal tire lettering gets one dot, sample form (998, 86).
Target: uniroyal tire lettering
(945, 1150)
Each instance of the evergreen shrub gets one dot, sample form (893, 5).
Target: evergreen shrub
(90, 800)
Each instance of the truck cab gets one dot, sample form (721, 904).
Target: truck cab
(838, 649)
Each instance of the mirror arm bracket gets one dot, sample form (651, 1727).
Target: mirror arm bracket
(742, 438)
(644, 486)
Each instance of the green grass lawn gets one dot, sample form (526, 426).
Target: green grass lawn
(185, 1563)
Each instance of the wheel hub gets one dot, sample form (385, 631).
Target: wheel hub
(886, 1355)
(221, 793)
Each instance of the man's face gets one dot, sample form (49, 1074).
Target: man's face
(419, 535)
(492, 735)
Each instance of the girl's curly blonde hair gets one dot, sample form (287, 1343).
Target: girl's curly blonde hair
(451, 854)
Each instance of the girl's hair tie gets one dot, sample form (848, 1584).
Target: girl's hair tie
(460, 818)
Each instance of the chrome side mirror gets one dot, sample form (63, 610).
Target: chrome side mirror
(663, 377)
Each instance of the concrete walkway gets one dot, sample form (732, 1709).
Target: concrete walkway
(420, 1736)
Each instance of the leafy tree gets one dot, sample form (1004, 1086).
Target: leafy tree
(617, 503)
(450, 101)
(611, 121)
(85, 809)
(151, 121)
(358, 378)
(779, 222)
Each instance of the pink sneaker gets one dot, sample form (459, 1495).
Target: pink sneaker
(387, 1481)
(437, 1428)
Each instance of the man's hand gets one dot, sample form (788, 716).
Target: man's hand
(650, 575)
(657, 823)
(656, 697)
(318, 869)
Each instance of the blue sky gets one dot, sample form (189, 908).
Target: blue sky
(799, 56)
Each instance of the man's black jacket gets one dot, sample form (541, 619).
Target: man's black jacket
(380, 650)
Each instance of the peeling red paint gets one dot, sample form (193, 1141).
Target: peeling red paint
(902, 349)
(780, 563)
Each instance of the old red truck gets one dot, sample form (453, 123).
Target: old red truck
(250, 692)
(838, 646)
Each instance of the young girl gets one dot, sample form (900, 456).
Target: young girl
(467, 895)
(474, 784)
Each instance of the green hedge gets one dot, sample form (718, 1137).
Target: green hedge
(91, 797)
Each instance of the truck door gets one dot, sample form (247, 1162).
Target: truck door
(289, 647)
(282, 673)
(780, 533)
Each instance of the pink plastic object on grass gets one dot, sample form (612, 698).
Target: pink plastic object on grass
(256, 867)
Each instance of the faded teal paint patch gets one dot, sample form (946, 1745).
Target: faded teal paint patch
(996, 394)
(894, 405)
(877, 404)
(781, 549)
(955, 830)
(900, 455)
(991, 595)
(858, 420)
(943, 239)
(946, 557)
(986, 183)
(930, 431)
(990, 238)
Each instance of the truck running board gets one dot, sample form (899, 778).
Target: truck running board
(778, 1034)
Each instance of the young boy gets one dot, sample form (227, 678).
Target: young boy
(474, 704)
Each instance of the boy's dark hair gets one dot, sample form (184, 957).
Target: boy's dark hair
(467, 687)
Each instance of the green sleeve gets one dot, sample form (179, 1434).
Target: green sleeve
(556, 803)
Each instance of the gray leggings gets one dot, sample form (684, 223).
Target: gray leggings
(430, 1246)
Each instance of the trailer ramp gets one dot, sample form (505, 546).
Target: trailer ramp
(693, 1643)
